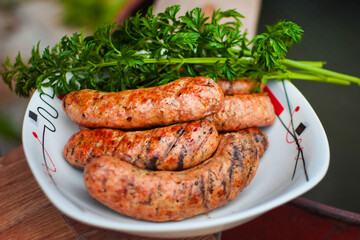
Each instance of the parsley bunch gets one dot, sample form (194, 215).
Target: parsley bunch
(149, 50)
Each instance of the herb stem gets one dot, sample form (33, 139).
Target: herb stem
(202, 60)
(309, 68)
(303, 76)
(318, 64)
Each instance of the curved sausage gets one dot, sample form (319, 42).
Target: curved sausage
(183, 100)
(242, 111)
(239, 86)
(259, 138)
(174, 147)
(172, 196)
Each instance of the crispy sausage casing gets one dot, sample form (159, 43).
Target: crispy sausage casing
(242, 111)
(173, 147)
(238, 86)
(259, 138)
(183, 100)
(172, 196)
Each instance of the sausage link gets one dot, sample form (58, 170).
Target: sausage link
(172, 196)
(238, 86)
(183, 100)
(242, 111)
(173, 147)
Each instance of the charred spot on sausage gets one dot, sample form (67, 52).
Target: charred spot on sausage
(202, 189)
(180, 131)
(181, 158)
(234, 158)
(103, 183)
(211, 181)
(152, 163)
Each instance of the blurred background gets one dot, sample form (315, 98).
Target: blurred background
(332, 35)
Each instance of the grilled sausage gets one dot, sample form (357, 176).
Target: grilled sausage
(172, 196)
(259, 138)
(183, 100)
(242, 111)
(173, 147)
(238, 86)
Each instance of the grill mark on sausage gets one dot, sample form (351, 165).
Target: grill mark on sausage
(148, 200)
(203, 192)
(103, 178)
(234, 156)
(179, 134)
(144, 149)
(152, 162)
(225, 190)
(235, 163)
(181, 158)
(211, 181)
(178, 93)
(131, 187)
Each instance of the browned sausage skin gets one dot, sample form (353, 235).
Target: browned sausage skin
(259, 138)
(183, 100)
(172, 196)
(238, 86)
(173, 147)
(242, 111)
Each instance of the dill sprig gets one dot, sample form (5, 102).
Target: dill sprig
(149, 50)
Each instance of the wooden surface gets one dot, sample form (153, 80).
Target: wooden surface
(26, 213)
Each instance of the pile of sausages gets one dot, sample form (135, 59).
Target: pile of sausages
(169, 152)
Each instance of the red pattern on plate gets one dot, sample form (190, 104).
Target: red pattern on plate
(277, 105)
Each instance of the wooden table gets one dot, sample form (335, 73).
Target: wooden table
(26, 213)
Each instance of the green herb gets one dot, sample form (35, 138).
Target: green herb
(149, 50)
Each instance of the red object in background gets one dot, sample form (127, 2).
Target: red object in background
(297, 220)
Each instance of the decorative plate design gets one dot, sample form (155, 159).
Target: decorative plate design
(296, 160)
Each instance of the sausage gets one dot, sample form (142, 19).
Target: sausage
(239, 86)
(259, 138)
(183, 100)
(173, 147)
(174, 195)
(242, 111)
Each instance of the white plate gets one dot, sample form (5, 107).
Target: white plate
(46, 129)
